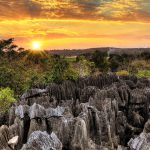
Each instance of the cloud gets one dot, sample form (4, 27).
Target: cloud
(22, 9)
(124, 10)
(76, 33)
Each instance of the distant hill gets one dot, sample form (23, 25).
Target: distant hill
(130, 51)
(110, 50)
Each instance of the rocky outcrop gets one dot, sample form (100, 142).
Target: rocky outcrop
(4, 137)
(4, 118)
(13, 142)
(33, 93)
(142, 142)
(93, 113)
(42, 141)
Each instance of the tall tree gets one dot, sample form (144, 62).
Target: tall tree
(101, 60)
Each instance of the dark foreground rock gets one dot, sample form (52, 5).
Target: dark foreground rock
(106, 112)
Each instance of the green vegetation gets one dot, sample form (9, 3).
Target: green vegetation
(143, 73)
(138, 65)
(84, 67)
(122, 73)
(71, 59)
(61, 70)
(101, 60)
(6, 99)
(22, 69)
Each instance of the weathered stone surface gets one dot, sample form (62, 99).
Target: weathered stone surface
(121, 123)
(42, 141)
(87, 92)
(43, 100)
(13, 142)
(4, 118)
(55, 112)
(4, 137)
(20, 131)
(93, 113)
(37, 124)
(80, 135)
(13, 130)
(37, 111)
(12, 115)
(142, 142)
(21, 110)
(33, 92)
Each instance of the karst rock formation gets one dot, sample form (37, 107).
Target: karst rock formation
(104, 112)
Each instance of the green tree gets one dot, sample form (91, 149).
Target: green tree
(36, 57)
(70, 73)
(6, 44)
(145, 55)
(15, 76)
(101, 60)
(84, 66)
(115, 62)
(58, 65)
(6, 99)
(8, 48)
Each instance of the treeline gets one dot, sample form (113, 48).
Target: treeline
(124, 61)
(21, 69)
(122, 64)
(110, 50)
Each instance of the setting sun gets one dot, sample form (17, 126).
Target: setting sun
(36, 45)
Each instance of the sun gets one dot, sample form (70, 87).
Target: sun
(36, 45)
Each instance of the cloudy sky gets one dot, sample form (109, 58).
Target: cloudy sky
(76, 23)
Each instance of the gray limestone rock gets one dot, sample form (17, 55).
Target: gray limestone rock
(42, 141)
(37, 111)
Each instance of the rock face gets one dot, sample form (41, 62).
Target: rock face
(93, 113)
(13, 142)
(142, 142)
(42, 141)
(4, 137)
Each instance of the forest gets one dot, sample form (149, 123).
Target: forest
(21, 69)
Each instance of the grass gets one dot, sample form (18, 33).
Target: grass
(71, 58)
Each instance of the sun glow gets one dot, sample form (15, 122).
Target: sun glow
(36, 45)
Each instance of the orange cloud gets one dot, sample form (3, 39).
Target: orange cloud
(76, 23)
(76, 9)
(76, 33)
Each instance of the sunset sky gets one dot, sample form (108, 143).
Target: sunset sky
(59, 24)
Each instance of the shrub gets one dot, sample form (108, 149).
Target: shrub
(83, 66)
(122, 73)
(6, 99)
(70, 74)
(143, 73)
